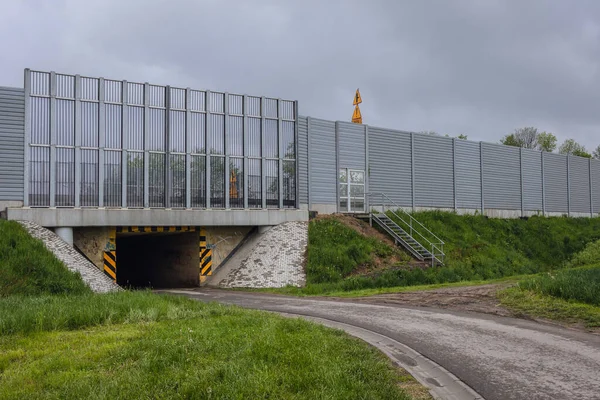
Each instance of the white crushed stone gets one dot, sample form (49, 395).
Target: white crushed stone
(90, 274)
(276, 261)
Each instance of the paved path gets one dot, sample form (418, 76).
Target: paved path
(500, 358)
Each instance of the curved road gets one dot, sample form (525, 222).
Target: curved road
(500, 358)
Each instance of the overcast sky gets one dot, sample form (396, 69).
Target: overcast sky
(475, 67)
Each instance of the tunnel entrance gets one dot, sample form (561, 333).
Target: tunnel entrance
(158, 260)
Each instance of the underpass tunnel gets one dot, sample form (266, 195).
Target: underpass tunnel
(158, 260)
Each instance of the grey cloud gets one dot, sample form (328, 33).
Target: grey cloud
(480, 68)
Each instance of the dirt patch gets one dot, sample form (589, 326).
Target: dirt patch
(468, 298)
(359, 226)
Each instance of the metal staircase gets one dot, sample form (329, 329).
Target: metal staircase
(406, 231)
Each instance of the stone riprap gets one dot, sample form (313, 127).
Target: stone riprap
(276, 261)
(90, 274)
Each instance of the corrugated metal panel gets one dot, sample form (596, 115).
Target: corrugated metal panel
(352, 145)
(468, 175)
(390, 164)
(596, 185)
(434, 181)
(501, 177)
(532, 180)
(12, 134)
(579, 175)
(303, 159)
(323, 173)
(555, 181)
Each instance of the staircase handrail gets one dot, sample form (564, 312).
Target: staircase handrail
(434, 245)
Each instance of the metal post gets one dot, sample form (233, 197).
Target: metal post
(146, 145)
(124, 141)
(337, 171)
(568, 185)
(412, 171)
(225, 132)
(208, 145)
(281, 151)
(481, 177)
(367, 206)
(543, 188)
(296, 148)
(52, 161)
(101, 140)
(309, 162)
(77, 141)
(188, 151)
(454, 172)
(591, 188)
(521, 176)
(262, 153)
(246, 145)
(167, 161)
(27, 144)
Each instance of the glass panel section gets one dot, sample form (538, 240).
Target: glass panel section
(217, 182)
(135, 179)
(254, 139)
(253, 106)
(344, 205)
(357, 177)
(156, 130)
(88, 196)
(235, 138)
(357, 205)
(217, 134)
(112, 91)
(89, 88)
(236, 183)
(198, 132)
(272, 182)
(135, 93)
(113, 122)
(112, 179)
(254, 184)
(357, 191)
(236, 104)
(217, 102)
(136, 128)
(270, 110)
(89, 124)
(65, 122)
(343, 178)
(40, 120)
(177, 131)
(271, 145)
(289, 184)
(39, 177)
(198, 183)
(288, 139)
(197, 100)
(40, 83)
(65, 86)
(177, 178)
(343, 190)
(156, 178)
(65, 178)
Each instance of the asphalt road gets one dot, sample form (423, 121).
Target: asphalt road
(500, 358)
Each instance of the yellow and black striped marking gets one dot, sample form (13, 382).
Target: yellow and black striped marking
(147, 229)
(110, 254)
(205, 257)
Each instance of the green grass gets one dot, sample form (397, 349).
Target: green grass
(60, 341)
(478, 249)
(538, 305)
(228, 353)
(28, 268)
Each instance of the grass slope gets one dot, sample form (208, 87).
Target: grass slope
(477, 249)
(28, 268)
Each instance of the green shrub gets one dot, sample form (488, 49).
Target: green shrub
(28, 268)
(581, 285)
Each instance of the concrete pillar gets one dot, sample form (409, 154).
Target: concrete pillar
(65, 233)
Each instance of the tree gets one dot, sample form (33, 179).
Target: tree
(546, 141)
(522, 137)
(570, 146)
(463, 137)
(596, 153)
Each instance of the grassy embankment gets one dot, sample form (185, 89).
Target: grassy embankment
(58, 340)
(478, 250)
(570, 295)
